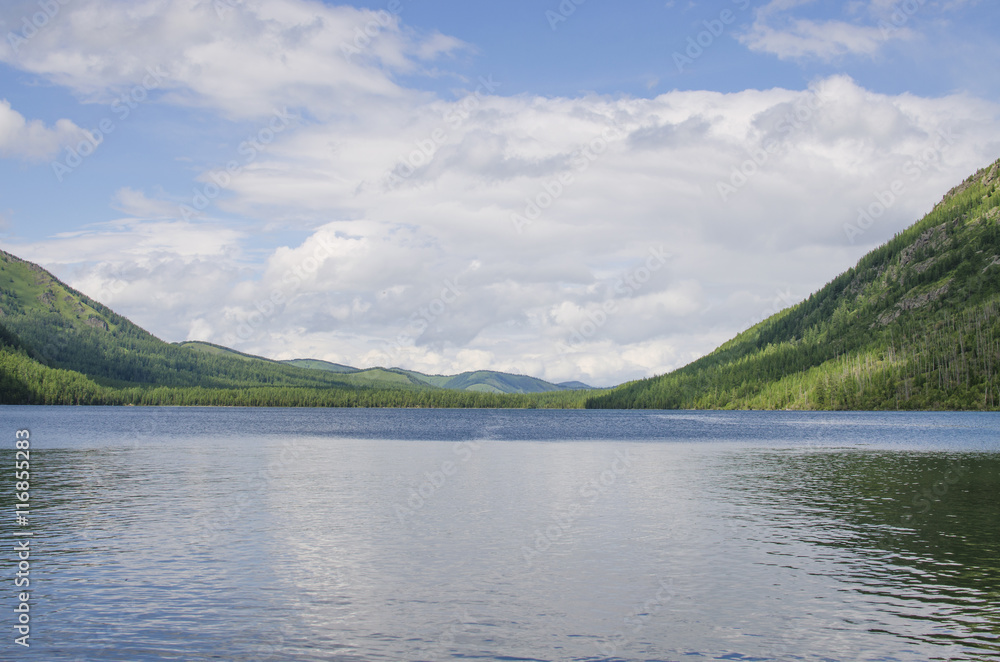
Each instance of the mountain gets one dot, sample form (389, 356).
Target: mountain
(573, 386)
(62, 328)
(480, 381)
(316, 364)
(59, 346)
(489, 381)
(915, 325)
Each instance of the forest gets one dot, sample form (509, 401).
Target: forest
(914, 325)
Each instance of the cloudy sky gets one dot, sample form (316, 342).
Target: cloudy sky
(573, 189)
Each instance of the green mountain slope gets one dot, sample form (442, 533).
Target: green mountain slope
(58, 346)
(914, 325)
(212, 349)
(575, 386)
(316, 364)
(482, 381)
(489, 381)
(63, 328)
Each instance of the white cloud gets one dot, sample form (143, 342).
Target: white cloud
(775, 31)
(32, 140)
(406, 252)
(151, 271)
(432, 273)
(825, 40)
(244, 58)
(136, 204)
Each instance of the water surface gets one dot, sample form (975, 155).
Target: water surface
(301, 535)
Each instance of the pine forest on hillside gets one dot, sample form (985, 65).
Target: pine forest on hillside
(914, 325)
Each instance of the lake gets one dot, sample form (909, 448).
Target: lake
(305, 535)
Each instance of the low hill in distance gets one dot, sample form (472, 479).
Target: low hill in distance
(58, 346)
(480, 381)
(914, 325)
(316, 364)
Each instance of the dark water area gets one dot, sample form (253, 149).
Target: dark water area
(307, 535)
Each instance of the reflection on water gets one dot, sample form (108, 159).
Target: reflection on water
(326, 535)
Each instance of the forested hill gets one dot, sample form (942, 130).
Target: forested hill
(58, 346)
(914, 325)
(60, 327)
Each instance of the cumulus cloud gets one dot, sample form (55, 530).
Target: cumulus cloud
(507, 232)
(243, 58)
(150, 270)
(32, 140)
(417, 253)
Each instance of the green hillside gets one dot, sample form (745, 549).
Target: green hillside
(480, 381)
(914, 325)
(489, 381)
(64, 329)
(316, 364)
(26, 380)
(335, 373)
(212, 349)
(58, 346)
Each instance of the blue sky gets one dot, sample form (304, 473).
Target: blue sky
(479, 185)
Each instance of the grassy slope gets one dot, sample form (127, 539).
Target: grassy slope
(913, 326)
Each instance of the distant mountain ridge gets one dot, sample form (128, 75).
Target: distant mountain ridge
(482, 381)
(52, 335)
